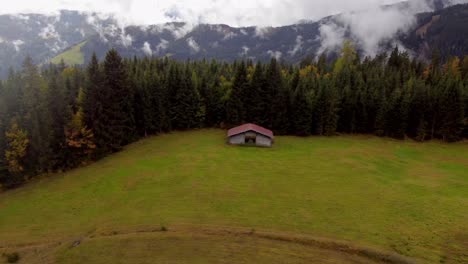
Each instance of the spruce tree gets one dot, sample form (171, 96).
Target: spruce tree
(235, 111)
(302, 107)
(60, 114)
(278, 96)
(452, 110)
(35, 118)
(256, 100)
(93, 95)
(326, 109)
(116, 126)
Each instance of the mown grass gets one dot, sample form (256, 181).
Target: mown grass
(401, 196)
(72, 56)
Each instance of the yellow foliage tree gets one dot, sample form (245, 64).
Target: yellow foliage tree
(79, 138)
(17, 145)
(348, 57)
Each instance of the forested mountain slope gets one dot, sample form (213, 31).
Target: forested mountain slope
(44, 37)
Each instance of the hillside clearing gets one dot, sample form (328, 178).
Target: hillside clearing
(399, 196)
(72, 56)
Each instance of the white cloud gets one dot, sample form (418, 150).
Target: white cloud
(275, 54)
(163, 45)
(48, 32)
(245, 51)
(369, 25)
(262, 32)
(17, 44)
(331, 37)
(193, 45)
(297, 47)
(147, 49)
(229, 35)
(178, 31)
(126, 40)
(258, 13)
(369, 28)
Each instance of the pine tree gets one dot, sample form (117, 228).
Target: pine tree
(256, 105)
(452, 105)
(302, 108)
(93, 95)
(417, 116)
(60, 114)
(278, 96)
(115, 128)
(326, 109)
(35, 118)
(235, 111)
(184, 99)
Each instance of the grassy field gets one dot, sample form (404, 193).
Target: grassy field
(395, 196)
(71, 56)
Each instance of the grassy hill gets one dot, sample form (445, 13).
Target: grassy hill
(72, 56)
(336, 200)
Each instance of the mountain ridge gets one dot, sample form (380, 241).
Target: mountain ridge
(45, 37)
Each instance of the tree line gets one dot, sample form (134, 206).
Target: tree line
(59, 117)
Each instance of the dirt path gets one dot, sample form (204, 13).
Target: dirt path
(45, 251)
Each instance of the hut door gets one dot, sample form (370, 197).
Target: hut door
(251, 138)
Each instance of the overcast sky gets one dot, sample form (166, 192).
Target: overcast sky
(231, 12)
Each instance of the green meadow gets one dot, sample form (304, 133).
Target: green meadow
(177, 198)
(71, 56)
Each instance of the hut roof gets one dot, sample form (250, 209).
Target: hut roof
(250, 127)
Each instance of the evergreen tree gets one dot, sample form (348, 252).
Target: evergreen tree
(452, 105)
(60, 114)
(302, 108)
(417, 116)
(278, 94)
(235, 111)
(115, 127)
(36, 119)
(94, 96)
(256, 99)
(326, 109)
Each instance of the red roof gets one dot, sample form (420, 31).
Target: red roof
(250, 127)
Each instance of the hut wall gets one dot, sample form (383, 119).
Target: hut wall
(263, 141)
(237, 139)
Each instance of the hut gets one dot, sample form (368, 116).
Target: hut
(250, 134)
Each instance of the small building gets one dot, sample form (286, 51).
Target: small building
(250, 134)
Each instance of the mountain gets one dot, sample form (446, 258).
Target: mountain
(74, 36)
(42, 36)
(445, 30)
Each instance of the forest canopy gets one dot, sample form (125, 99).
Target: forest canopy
(59, 117)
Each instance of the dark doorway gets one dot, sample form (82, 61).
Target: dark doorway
(251, 139)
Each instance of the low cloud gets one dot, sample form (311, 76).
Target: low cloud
(163, 45)
(296, 47)
(193, 45)
(147, 49)
(275, 54)
(245, 51)
(126, 40)
(48, 32)
(17, 44)
(332, 37)
(370, 28)
(262, 32)
(249, 13)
